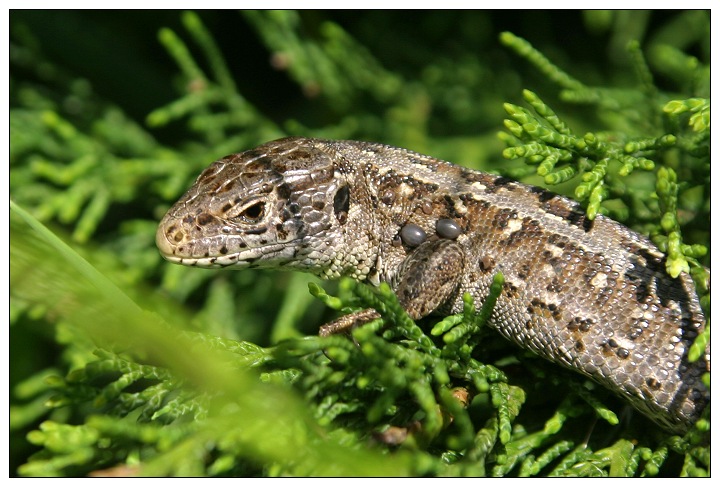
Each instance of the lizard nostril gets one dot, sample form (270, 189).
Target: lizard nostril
(205, 218)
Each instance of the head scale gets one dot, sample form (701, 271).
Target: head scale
(280, 204)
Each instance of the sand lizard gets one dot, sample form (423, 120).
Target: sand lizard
(590, 295)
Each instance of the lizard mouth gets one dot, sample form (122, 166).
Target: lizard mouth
(207, 262)
(212, 252)
(250, 258)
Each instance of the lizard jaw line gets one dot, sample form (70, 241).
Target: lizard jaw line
(208, 262)
(247, 258)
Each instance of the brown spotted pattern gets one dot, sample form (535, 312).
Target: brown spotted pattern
(592, 296)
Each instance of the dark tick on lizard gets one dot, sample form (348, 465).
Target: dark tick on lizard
(590, 295)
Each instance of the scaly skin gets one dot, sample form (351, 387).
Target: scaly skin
(592, 296)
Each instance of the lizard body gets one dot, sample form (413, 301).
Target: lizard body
(590, 295)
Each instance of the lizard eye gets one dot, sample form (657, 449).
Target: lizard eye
(253, 213)
(341, 204)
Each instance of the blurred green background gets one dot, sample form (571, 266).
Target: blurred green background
(454, 53)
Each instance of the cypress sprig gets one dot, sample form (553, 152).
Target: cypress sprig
(66, 446)
(630, 163)
(546, 113)
(484, 441)
(464, 330)
(546, 67)
(578, 454)
(408, 366)
(591, 179)
(700, 344)
(536, 149)
(699, 108)
(600, 409)
(532, 466)
(680, 66)
(538, 136)
(642, 70)
(545, 140)
(667, 191)
(547, 165)
(481, 375)
(385, 299)
(650, 144)
(560, 175)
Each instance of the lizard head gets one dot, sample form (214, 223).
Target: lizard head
(280, 204)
